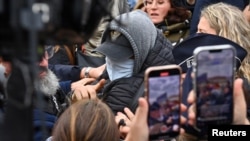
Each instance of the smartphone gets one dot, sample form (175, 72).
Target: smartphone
(162, 90)
(214, 69)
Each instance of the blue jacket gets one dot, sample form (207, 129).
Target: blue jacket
(46, 112)
(43, 124)
(66, 72)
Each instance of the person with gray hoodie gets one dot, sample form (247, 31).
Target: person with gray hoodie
(131, 43)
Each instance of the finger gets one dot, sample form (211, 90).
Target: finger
(183, 75)
(240, 103)
(79, 96)
(87, 81)
(142, 111)
(81, 93)
(100, 85)
(91, 91)
(82, 82)
(191, 115)
(191, 119)
(182, 131)
(238, 91)
(118, 117)
(124, 129)
(139, 124)
(120, 114)
(125, 117)
(75, 85)
(73, 98)
(183, 120)
(191, 97)
(129, 113)
(183, 108)
(92, 95)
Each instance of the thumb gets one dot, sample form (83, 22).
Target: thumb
(239, 102)
(141, 113)
(238, 91)
(100, 85)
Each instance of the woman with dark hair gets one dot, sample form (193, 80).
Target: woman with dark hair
(173, 21)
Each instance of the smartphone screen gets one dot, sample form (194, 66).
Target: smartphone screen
(163, 93)
(214, 69)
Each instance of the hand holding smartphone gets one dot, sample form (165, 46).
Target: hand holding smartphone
(214, 69)
(162, 89)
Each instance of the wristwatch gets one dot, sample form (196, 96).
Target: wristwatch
(86, 73)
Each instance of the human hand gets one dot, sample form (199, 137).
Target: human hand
(127, 117)
(191, 110)
(240, 106)
(87, 91)
(82, 82)
(240, 109)
(139, 130)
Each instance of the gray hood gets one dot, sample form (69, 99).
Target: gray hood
(138, 28)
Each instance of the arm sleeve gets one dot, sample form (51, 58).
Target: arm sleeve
(65, 86)
(66, 72)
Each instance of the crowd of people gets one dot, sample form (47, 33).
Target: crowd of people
(107, 102)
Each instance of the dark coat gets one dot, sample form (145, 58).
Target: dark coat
(45, 114)
(124, 92)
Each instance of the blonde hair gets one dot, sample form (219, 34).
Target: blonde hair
(229, 22)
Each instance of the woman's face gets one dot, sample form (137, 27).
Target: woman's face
(204, 27)
(157, 9)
